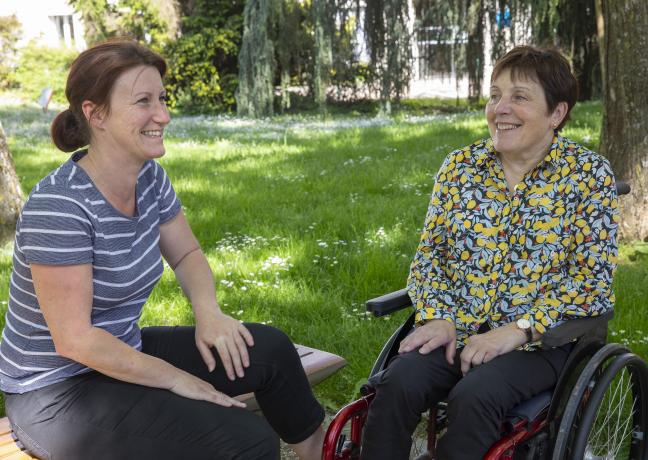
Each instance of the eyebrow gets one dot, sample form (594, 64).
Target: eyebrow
(148, 93)
(516, 87)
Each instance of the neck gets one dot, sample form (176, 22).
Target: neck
(516, 166)
(115, 177)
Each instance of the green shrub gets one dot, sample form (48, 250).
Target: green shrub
(194, 81)
(40, 67)
(10, 31)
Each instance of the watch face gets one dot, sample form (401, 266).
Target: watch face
(523, 323)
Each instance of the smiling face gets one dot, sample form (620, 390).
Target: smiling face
(138, 115)
(519, 121)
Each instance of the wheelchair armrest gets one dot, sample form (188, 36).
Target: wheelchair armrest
(623, 188)
(575, 328)
(389, 303)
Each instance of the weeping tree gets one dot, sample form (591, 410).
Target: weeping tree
(257, 64)
(10, 193)
(389, 44)
(625, 118)
(323, 22)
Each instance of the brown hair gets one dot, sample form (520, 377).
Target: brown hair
(547, 67)
(91, 78)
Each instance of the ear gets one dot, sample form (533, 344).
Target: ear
(559, 113)
(92, 114)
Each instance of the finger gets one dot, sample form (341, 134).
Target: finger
(412, 341)
(451, 351)
(432, 344)
(207, 355)
(247, 335)
(477, 359)
(241, 345)
(234, 353)
(225, 357)
(466, 359)
(223, 400)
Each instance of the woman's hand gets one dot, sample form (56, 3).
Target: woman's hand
(482, 348)
(430, 336)
(189, 386)
(229, 337)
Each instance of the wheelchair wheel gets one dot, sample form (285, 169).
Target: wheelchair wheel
(608, 419)
(614, 421)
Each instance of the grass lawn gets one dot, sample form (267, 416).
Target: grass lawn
(303, 219)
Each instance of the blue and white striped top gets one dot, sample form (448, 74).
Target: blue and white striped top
(67, 221)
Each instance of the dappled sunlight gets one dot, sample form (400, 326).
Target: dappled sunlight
(303, 219)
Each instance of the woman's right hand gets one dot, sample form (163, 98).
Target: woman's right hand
(432, 335)
(189, 386)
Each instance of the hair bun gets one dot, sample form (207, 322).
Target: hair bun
(67, 133)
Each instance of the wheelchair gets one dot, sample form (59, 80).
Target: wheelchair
(598, 409)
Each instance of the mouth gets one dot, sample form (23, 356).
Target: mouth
(506, 126)
(155, 134)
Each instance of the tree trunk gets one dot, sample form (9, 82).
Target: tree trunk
(10, 193)
(323, 55)
(475, 49)
(624, 138)
(257, 65)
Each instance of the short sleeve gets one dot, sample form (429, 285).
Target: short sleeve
(168, 202)
(55, 229)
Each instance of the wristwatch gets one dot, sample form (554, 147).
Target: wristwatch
(525, 325)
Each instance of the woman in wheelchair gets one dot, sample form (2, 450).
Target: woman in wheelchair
(520, 236)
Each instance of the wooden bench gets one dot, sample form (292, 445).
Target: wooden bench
(318, 365)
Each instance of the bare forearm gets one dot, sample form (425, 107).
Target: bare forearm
(197, 281)
(101, 351)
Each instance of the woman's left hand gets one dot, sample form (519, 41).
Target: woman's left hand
(229, 337)
(482, 348)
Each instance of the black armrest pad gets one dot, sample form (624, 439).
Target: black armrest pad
(575, 328)
(389, 303)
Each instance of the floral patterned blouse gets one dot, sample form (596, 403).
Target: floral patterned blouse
(545, 252)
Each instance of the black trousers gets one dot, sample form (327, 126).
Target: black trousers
(477, 402)
(93, 416)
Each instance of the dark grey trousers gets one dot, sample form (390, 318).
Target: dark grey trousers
(477, 403)
(96, 417)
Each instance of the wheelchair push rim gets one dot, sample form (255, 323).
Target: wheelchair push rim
(613, 424)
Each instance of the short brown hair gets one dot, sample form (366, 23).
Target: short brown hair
(91, 78)
(549, 68)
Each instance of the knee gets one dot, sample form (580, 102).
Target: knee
(271, 342)
(474, 395)
(402, 382)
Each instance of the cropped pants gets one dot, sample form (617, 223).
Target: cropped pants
(93, 416)
(477, 402)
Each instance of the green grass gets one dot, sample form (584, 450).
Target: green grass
(303, 219)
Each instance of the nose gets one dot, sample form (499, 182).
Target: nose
(503, 106)
(161, 115)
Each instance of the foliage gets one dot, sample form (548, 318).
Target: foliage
(203, 64)
(139, 19)
(40, 67)
(10, 31)
(257, 62)
(194, 82)
(390, 47)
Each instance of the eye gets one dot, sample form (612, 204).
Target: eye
(144, 100)
(520, 97)
(163, 99)
(494, 98)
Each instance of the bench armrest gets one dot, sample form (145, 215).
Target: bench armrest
(575, 328)
(389, 303)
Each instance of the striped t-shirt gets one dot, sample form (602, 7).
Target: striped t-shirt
(67, 221)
